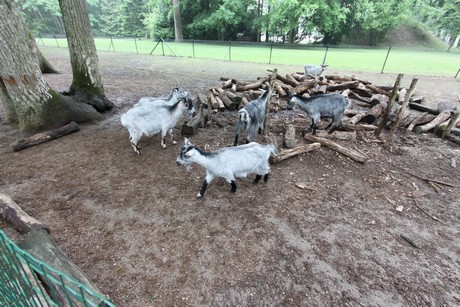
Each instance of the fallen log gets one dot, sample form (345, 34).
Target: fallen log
(292, 79)
(39, 244)
(359, 127)
(220, 103)
(422, 108)
(342, 86)
(442, 117)
(450, 126)
(305, 86)
(379, 99)
(373, 114)
(229, 104)
(200, 119)
(420, 120)
(280, 90)
(213, 102)
(13, 214)
(358, 97)
(288, 153)
(377, 90)
(354, 155)
(46, 136)
(338, 135)
(251, 86)
(292, 82)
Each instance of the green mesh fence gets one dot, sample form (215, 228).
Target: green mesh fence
(26, 281)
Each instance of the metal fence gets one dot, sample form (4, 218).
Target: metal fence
(24, 281)
(374, 59)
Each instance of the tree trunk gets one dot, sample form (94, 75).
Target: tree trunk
(27, 97)
(177, 22)
(87, 82)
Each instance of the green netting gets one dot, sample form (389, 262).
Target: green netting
(26, 281)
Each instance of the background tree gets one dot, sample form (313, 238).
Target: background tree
(441, 15)
(28, 99)
(178, 36)
(87, 82)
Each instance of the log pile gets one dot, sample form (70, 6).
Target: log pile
(368, 108)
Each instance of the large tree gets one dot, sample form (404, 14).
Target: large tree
(87, 82)
(28, 99)
(178, 36)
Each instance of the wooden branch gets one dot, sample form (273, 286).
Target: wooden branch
(280, 90)
(292, 79)
(46, 136)
(432, 180)
(389, 106)
(340, 149)
(421, 209)
(13, 214)
(288, 153)
(377, 90)
(342, 86)
(359, 127)
(401, 111)
(251, 86)
(408, 240)
(269, 98)
(450, 125)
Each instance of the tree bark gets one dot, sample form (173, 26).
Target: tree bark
(11, 213)
(27, 97)
(87, 82)
(178, 36)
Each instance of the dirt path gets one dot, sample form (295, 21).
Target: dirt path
(133, 224)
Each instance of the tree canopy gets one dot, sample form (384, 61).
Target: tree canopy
(292, 21)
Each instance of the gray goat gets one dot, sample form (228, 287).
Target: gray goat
(229, 162)
(251, 118)
(324, 105)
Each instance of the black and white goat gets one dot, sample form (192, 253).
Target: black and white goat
(177, 94)
(325, 105)
(314, 70)
(147, 121)
(229, 162)
(251, 118)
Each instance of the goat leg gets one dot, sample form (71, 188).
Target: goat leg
(256, 180)
(233, 190)
(173, 140)
(236, 140)
(266, 177)
(203, 189)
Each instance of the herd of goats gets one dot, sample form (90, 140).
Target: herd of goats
(151, 116)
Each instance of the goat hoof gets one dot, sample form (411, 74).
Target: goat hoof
(164, 146)
(174, 142)
(199, 195)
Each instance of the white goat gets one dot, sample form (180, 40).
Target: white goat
(325, 105)
(251, 118)
(229, 162)
(148, 121)
(314, 70)
(177, 94)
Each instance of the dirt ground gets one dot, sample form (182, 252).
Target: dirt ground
(134, 225)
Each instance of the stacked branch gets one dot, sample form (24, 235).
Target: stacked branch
(371, 105)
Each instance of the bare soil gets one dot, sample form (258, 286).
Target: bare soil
(324, 230)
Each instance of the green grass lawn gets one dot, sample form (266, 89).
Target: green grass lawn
(400, 60)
